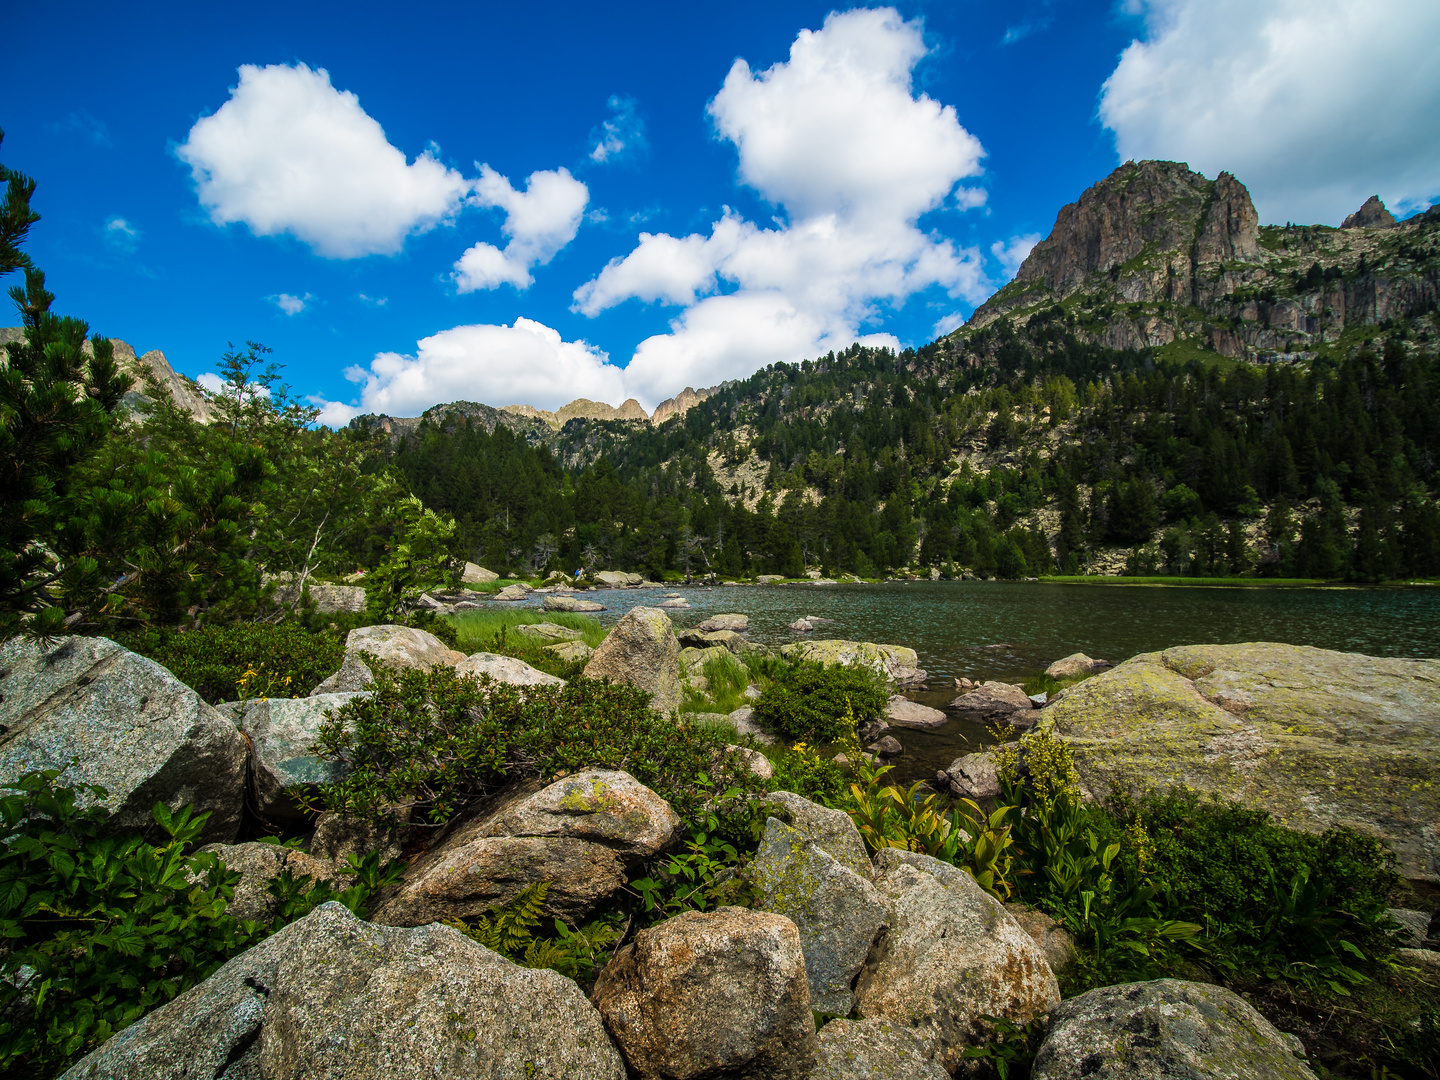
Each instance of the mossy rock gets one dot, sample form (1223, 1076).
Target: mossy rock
(1315, 737)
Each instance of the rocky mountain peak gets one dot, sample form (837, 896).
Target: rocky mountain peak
(1372, 215)
(1139, 235)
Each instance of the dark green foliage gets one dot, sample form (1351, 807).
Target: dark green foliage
(98, 930)
(806, 773)
(111, 927)
(287, 659)
(814, 703)
(437, 742)
(516, 931)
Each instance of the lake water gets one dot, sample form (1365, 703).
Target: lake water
(1013, 630)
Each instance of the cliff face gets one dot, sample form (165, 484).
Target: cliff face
(1156, 253)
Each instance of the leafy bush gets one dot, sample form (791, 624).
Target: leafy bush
(437, 741)
(821, 704)
(214, 659)
(99, 930)
(803, 771)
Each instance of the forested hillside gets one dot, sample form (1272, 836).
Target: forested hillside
(1166, 387)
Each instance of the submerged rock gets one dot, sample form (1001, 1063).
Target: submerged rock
(907, 713)
(1162, 1029)
(1317, 738)
(1074, 665)
(738, 624)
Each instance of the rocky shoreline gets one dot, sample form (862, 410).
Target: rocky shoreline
(915, 958)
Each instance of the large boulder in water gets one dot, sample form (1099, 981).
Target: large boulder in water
(894, 663)
(104, 715)
(1317, 738)
(330, 995)
(641, 650)
(1162, 1029)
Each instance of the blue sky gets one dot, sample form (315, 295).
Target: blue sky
(527, 203)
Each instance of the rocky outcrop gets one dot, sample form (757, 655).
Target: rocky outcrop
(477, 575)
(571, 603)
(994, 699)
(103, 715)
(893, 662)
(281, 733)
(641, 650)
(618, 579)
(831, 831)
(835, 909)
(952, 955)
(257, 864)
(738, 624)
(392, 645)
(901, 710)
(1317, 738)
(974, 776)
(681, 403)
(872, 1050)
(330, 995)
(1372, 215)
(581, 409)
(505, 669)
(1162, 1029)
(580, 834)
(1074, 666)
(711, 996)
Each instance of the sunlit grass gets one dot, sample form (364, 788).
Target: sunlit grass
(477, 630)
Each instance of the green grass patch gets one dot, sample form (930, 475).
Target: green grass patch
(494, 632)
(1209, 582)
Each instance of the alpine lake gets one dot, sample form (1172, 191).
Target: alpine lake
(1013, 630)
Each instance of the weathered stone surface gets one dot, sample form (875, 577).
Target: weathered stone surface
(570, 651)
(477, 575)
(1162, 1029)
(801, 626)
(641, 650)
(674, 602)
(711, 996)
(738, 624)
(394, 646)
(281, 732)
(328, 599)
(974, 776)
(518, 591)
(836, 910)
(1317, 738)
(462, 879)
(1054, 940)
(744, 720)
(1414, 926)
(558, 602)
(603, 806)
(893, 662)
(907, 713)
(331, 996)
(951, 955)
(832, 830)
(104, 715)
(257, 864)
(889, 746)
(872, 1050)
(754, 761)
(730, 640)
(337, 836)
(1074, 665)
(505, 669)
(1427, 960)
(548, 632)
(618, 579)
(994, 698)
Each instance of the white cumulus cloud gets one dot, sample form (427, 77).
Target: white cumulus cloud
(291, 304)
(837, 137)
(1313, 104)
(1011, 253)
(539, 221)
(289, 153)
(524, 363)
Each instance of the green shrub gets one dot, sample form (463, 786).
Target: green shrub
(214, 659)
(803, 771)
(437, 741)
(98, 930)
(821, 704)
